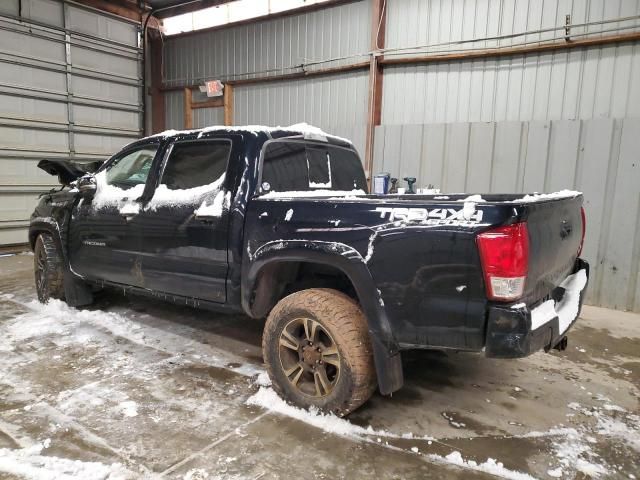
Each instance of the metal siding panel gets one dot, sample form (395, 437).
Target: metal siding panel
(23, 43)
(561, 163)
(506, 157)
(106, 90)
(104, 62)
(271, 46)
(481, 142)
(595, 147)
(537, 151)
(433, 154)
(103, 26)
(31, 78)
(99, 144)
(619, 267)
(378, 149)
(36, 98)
(410, 153)
(174, 110)
(457, 150)
(105, 117)
(15, 106)
(205, 117)
(25, 139)
(392, 143)
(45, 11)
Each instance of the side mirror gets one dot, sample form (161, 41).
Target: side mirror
(87, 186)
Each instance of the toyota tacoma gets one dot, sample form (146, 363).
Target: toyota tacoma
(278, 223)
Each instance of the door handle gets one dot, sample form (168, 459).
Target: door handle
(128, 216)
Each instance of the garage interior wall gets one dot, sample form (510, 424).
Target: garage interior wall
(538, 121)
(336, 103)
(69, 88)
(523, 123)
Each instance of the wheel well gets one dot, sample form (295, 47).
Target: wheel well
(279, 279)
(33, 236)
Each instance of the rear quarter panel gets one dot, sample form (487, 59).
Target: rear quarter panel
(421, 254)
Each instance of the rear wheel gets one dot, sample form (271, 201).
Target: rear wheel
(48, 269)
(318, 353)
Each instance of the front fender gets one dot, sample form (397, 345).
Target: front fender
(350, 262)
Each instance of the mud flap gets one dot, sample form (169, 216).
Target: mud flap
(388, 368)
(76, 292)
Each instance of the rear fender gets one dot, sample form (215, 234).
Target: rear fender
(350, 262)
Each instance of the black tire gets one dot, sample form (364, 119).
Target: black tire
(337, 373)
(48, 267)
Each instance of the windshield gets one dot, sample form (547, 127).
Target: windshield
(299, 166)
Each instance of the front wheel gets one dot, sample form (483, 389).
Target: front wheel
(318, 353)
(48, 269)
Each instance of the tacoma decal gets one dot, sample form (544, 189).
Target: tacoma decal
(434, 216)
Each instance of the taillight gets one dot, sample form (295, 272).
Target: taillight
(584, 229)
(504, 254)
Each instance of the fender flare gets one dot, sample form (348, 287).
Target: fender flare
(349, 261)
(77, 293)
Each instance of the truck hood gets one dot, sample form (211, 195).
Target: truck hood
(68, 170)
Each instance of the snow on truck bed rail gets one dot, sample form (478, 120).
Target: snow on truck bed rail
(315, 193)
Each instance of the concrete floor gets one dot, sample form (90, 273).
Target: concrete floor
(162, 391)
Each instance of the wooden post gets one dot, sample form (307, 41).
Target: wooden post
(228, 104)
(188, 112)
(374, 111)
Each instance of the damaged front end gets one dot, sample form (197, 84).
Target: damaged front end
(68, 170)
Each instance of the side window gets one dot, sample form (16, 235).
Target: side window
(302, 166)
(132, 168)
(194, 164)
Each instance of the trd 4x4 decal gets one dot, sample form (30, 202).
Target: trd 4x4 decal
(434, 216)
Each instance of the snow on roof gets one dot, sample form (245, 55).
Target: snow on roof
(298, 128)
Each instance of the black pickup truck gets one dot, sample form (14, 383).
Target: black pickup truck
(277, 223)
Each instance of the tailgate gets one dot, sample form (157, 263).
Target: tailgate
(555, 234)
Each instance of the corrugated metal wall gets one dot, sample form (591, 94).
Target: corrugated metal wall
(412, 23)
(69, 87)
(269, 47)
(582, 83)
(598, 157)
(336, 103)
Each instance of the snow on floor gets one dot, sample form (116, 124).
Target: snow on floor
(267, 398)
(29, 463)
(490, 466)
(57, 318)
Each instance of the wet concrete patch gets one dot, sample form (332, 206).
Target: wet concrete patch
(277, 447)
(172, 403)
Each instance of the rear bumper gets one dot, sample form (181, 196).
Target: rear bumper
(515, 331)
